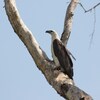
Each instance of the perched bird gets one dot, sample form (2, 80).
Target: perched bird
(60, 54)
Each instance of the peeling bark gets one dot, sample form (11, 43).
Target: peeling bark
(59, 81)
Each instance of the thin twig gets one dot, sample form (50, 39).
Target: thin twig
(92, 34)
(93, 8)
(82, 7)
(90, 8)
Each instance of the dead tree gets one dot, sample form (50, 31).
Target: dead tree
(59, 81)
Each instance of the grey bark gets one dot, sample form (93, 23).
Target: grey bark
(68, 21)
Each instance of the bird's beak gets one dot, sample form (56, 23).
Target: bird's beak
(47, 31)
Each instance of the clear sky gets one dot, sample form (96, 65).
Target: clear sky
(20, 79)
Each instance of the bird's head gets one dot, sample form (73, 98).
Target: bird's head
(53, 34)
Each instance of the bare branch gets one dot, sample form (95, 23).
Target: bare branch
(68, 21)
(90, 8)
(92, 34)
(60, 82)
(93, 8)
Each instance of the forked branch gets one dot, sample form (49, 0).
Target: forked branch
(59, 81)
(90, 8)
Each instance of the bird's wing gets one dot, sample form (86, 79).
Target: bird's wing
(63, 57)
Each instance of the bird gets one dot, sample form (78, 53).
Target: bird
(60, 54)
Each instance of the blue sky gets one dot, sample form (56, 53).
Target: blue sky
(19, 77)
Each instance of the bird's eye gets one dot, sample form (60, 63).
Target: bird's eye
(51, 31)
